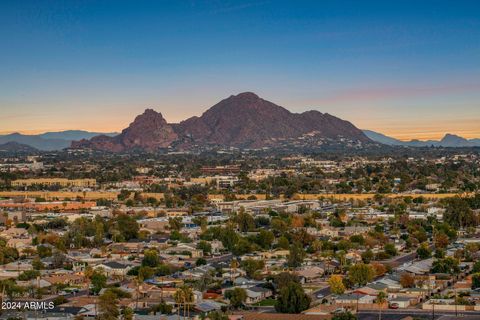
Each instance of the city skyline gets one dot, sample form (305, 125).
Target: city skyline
(408, 70)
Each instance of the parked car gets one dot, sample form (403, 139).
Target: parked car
(339, 310)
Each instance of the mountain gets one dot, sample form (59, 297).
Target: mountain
(72, 135)
(49, 141)
(244, 121)
(16, 147)
(381, 138)
(449, 140)
(35, 141)
(149, 131)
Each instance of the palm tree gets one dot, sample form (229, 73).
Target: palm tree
(233, 268)
(381, 298)
(87, 273)
(179, 297)
(188, 298)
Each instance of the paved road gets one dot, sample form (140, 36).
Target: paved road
(403, 259)
(223, 258)
(324, 291)
(390, 314)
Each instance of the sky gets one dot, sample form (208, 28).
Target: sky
(408, 69)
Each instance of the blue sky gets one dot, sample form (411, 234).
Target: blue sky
(410, 69)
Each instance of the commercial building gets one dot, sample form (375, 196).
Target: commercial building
(62, 182)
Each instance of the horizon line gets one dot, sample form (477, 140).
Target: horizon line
(419, 137)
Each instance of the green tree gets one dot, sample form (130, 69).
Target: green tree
(390, 249)
(237, 297)
(128, 226)
(37, 264)
(205, 247)
(29, 275)
(200, 262)
(251, 266)
(150, 258)
(476, 267)
(217, 315)
(458, 213)
(296, 256)
(424, 251)
(284, 278)
(98, 281)
(476, 281)
(448, 265)
(381, 298)
(361, 274)
(292, 299)
(245, 221)
(162, 308)
(145, 272)
(107, 305)
(127, 313)
(265, 239)
(367, 256)
(175, 223)
(283, 243)
(44, 251)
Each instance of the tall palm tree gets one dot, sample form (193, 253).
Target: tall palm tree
(188, 298)
(87, 273)
(381, 298)
(179, 298)
(233, 268)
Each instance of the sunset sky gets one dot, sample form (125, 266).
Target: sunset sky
(408, 69)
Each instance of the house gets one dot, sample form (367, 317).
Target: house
(19, 243)
(65, 279)
(392, 284)
(208, 306)
(217, 246)
(329, 232)
(308, 274)
(113, 268)
(353, 298)
(14, 233)
(420, 267)
(275, 254)
(368, 290)
(256, 294)
(242, 281)
(185, 248)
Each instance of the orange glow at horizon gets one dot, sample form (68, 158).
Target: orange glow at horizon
(406, 134)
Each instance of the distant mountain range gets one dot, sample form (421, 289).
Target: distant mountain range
(449, 140)
(16, 147)
(50, 140)
(242, 121)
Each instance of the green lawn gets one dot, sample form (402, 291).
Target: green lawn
(270, 302)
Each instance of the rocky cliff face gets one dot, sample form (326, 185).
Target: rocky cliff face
(244, 121)
(149, 131)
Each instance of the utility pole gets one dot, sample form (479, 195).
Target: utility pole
(433, 310)
(456, 308)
